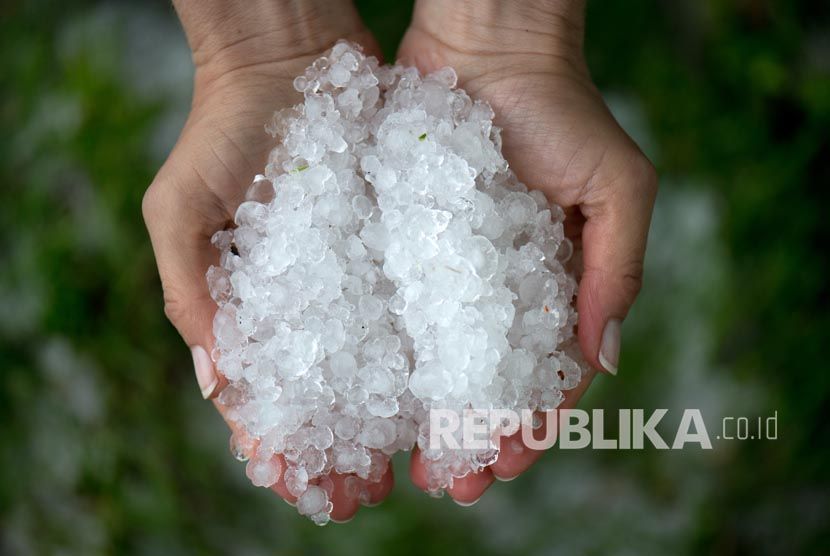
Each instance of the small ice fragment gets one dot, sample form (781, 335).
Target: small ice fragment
(263, 470)
(312, 501)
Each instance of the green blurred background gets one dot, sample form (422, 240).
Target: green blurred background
(107, 447)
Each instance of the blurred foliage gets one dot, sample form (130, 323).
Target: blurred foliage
(107, 448)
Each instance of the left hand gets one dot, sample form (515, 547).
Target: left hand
(558, 136)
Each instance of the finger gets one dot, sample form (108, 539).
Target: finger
(377, 492)
(617, 207)
(467, 490)
(181, 218)
(281, 489)
(464, 490)
(349, 492)
(345, 497)
(243, 448)
(514, 457)
(417, 470)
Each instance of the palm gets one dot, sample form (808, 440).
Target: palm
(223, 144)
(555, 127)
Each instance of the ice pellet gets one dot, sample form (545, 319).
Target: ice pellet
(386, 262)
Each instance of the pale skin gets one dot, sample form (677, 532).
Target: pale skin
(526, 61)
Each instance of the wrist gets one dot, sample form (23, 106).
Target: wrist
(228, 35)
(486, 27)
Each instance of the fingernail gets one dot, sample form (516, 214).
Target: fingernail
(466, 504)
(204, 371)
(609, 349)
(343, 520)
(505, 479)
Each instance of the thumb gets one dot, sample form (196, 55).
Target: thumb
(618, 213)
(181, 220)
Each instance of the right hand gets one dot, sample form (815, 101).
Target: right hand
(238, 86)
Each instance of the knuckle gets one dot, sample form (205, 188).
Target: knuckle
(174, 309)
(155, 202)
(632, 279)
(629, 174)
(642, 174)
(149, 202)
(174, 198)
(168, 190)
(187, 311)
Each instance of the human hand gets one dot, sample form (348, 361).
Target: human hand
(246, 56)
(558, 136)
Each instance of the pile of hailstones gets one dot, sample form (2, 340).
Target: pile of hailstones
(387, 262)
